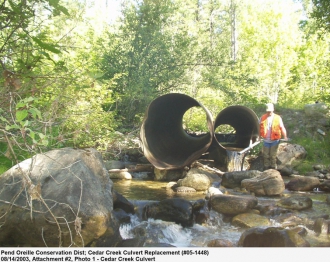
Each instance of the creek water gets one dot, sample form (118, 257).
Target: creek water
(140, 192)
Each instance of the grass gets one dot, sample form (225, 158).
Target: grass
(318, 152)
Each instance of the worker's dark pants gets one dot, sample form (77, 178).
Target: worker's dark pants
(269, 155)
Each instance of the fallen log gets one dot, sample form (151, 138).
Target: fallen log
(211, 169)
(134, 168)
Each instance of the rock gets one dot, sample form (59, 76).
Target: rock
(175, 210)
(232, 204)
(295, 202)
(248, 220)
(257, 163)
(271, 237)
(315, 110)
(302, 231)
(120, 202)
(200, 211)
(286, 171)
(268, 183)
(220, 243)
(319, 167)
(154, 231)
(196, 179)
(289, 220)
(198, 204)
(168, 175)
(121, 175)
(289, 155)
(213, 191)
(271, 210)
(325, 186)
(69, 195)
(234, 179)
(302, 183)
(122, 216)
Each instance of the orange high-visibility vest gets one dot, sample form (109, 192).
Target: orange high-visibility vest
(276, 133)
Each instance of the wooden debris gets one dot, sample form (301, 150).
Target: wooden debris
(134, 168)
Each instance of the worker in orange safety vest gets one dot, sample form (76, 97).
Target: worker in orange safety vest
(271, 130)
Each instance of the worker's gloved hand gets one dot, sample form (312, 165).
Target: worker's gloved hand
(285, 139)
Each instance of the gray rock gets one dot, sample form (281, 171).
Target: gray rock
(268, 183)
(234, 179)
(60, 198)
(232, 204)
(303, 183)
(271, 237)
(289, 155)
(196, 179)
(325, 186)
(175, 210)
(296, 202)
(248, 220)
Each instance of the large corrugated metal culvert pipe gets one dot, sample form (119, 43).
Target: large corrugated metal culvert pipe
(245, 125)
(165, 142)
(227, 148)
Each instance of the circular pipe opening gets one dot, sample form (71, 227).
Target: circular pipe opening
(245, 123)
(165, 143)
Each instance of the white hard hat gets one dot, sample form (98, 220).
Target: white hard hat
(270, 107)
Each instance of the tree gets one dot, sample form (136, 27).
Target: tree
(52, 96)
(149, 55)
(321, 14)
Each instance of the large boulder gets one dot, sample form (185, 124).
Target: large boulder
(175, 210)
(303, 183)
(296, 202)
(232, 204)
(59, 198)
(197, 179)
(271, 237)
(234, 179)
(288, 155)
(325, 186)
(268, 183)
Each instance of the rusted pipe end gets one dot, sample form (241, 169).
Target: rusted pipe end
(243, 120)
(164, 141)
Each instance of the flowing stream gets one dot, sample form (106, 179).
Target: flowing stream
(140, 192)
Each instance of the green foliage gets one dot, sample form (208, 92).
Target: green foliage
(149, 53)
(318, 151)
(73, 79)
(5, 162)
(87, 123)
(321, 13)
